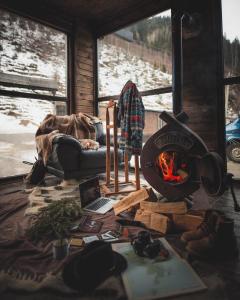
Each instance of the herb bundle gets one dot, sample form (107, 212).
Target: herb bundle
(55, 220)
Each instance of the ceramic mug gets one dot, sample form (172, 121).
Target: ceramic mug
(60, 249)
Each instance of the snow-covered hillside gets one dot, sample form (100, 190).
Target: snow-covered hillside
(33, 50)
(117, 66)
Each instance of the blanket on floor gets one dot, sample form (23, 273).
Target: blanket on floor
(30, 267)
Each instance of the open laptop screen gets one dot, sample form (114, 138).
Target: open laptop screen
(89, 191)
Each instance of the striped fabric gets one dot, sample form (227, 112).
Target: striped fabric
(131, 119)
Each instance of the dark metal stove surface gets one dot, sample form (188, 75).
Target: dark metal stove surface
(204, 167)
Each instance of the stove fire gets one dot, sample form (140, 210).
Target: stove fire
(172, 167)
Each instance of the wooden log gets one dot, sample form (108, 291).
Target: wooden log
(153, 221)
(182, 173)
(143, 216)
(130, 200)
(165, 207)
(159, 223)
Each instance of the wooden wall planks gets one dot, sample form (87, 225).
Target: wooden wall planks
(83, 70)
(202, 78)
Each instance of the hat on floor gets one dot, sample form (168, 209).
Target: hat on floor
(86, 269)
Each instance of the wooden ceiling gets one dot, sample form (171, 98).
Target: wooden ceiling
(103, 16)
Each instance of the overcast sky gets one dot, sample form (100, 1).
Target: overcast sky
(231, 18)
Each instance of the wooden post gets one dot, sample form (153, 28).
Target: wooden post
(126, 166)
(137, 176)
(108, 153)
(115, 145)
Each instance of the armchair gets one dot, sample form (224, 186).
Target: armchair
(69, 161)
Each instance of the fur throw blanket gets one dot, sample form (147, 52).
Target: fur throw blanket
(80, 126)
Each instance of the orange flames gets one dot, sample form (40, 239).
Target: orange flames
(166, 163)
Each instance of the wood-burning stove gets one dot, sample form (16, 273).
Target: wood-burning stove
(175, 161)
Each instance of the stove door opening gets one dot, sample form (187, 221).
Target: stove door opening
(173, 167)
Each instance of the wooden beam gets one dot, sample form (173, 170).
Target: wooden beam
(32, 96)
(95, 77)
(140, 10)
(177, 61)
(70, 74)
(231, 80)
(38, 12)
(13, 80)
(159, 91)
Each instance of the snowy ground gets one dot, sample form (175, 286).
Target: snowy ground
(15, 148)
(19, 121)
(116, 67)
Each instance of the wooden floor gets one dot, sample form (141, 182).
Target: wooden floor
(222, 277)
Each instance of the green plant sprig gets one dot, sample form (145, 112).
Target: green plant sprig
(55, 220)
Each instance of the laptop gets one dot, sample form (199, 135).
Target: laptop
(91, 199)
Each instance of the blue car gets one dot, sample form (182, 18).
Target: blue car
(233, 140)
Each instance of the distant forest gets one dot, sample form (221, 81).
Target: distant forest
(156, 33)
(231, 52)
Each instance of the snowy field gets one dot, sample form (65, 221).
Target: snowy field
(116, 67)
(19, 120)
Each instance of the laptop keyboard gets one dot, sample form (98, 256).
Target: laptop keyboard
(95, 206)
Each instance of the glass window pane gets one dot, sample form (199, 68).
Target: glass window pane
(141, 53)
(153, 106)
(102, 106)
(33, 57)
(19, 120)
(232, 98)
(231, 32)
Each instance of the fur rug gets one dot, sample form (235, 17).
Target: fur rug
(40, 197)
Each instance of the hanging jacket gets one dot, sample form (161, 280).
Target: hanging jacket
(131, 119)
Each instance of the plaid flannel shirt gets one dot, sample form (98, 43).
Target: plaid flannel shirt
(131, 119)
